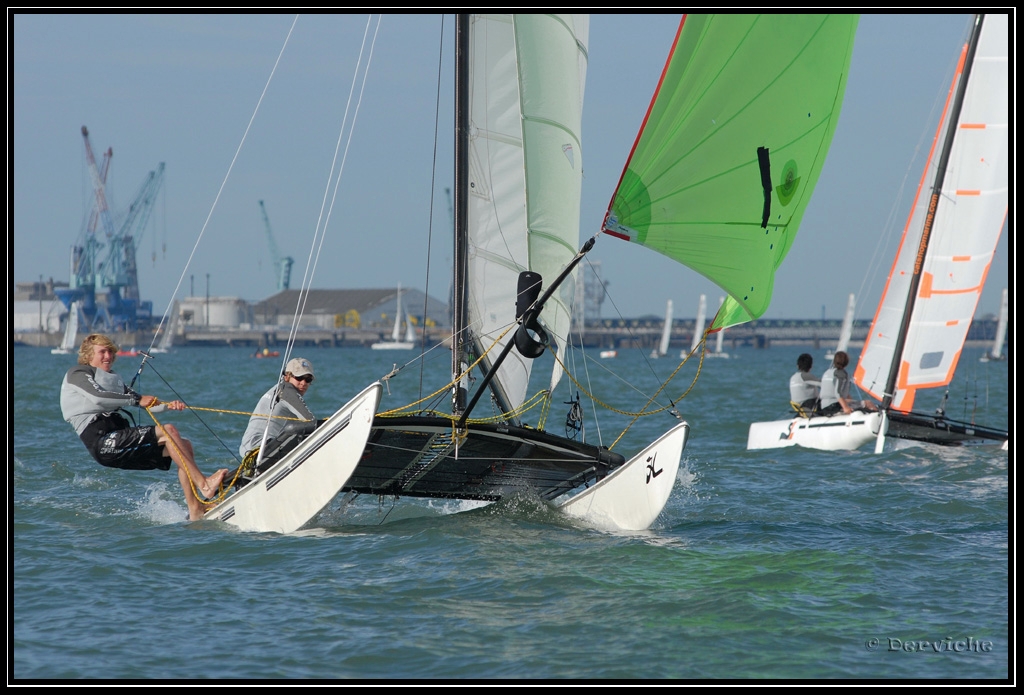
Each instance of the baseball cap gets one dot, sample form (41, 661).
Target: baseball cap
(299, 366)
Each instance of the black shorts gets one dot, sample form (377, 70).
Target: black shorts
(830, 410)
(131, 448)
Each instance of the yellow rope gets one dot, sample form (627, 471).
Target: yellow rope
(543, 397)
(247, 463)
(405, 408)
(643, 412)
(799, 410)
(170, 442)
(245, 413)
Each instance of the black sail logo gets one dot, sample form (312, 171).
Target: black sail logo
(651, 473)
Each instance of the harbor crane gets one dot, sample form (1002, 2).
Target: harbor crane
(107, 286)
(282, 264)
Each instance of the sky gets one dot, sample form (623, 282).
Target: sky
(236, 120)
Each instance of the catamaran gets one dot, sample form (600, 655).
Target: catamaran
(729, 188)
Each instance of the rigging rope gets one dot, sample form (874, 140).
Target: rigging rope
(224, 181)
(643, 411)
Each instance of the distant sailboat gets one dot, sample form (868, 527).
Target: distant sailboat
(396, 343)
(996, 354)
(666, 333)
(719, 337)
(68, 345)
(698, 328)
(167, 337)
(845, 332)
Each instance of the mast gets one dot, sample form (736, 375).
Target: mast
(461, 250)
(922, 249)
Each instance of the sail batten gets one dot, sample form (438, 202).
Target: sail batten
(731, 147)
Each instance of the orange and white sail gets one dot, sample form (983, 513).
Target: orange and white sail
(950, 238)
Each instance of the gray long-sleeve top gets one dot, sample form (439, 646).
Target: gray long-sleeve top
(88, 391)
(289, 404)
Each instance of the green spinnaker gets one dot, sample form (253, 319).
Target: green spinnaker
(732, 146)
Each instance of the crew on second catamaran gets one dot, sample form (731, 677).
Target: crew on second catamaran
(835, 389)
(803, 387)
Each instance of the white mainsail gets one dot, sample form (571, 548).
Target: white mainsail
(525, 168)
(67, 343)
(959, 218)
(666, 331)
(167, 337)
(698, 328)
(846, 330)
(719, 337)
(396, 332)
(410, 332)
(996, 353)
(397, 342)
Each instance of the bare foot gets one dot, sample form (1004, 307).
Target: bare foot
(209, 488)
(196, 510)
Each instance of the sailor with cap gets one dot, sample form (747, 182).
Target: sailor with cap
(283, 403)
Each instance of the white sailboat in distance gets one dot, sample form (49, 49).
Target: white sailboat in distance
(719, 338)
(666, 333)
(68, 344)
(996, 353)
(845, 331)
(167, 337)
(396, 342)
(698, 328)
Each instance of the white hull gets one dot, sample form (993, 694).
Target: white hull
(836, 433)
(634, 495)
(393, 346)
(290, 493)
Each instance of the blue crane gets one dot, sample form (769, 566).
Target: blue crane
(107, 286)
(282, 264)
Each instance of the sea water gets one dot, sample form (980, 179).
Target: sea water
(780, 564)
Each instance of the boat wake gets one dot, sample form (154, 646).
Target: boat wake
(160, 505)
